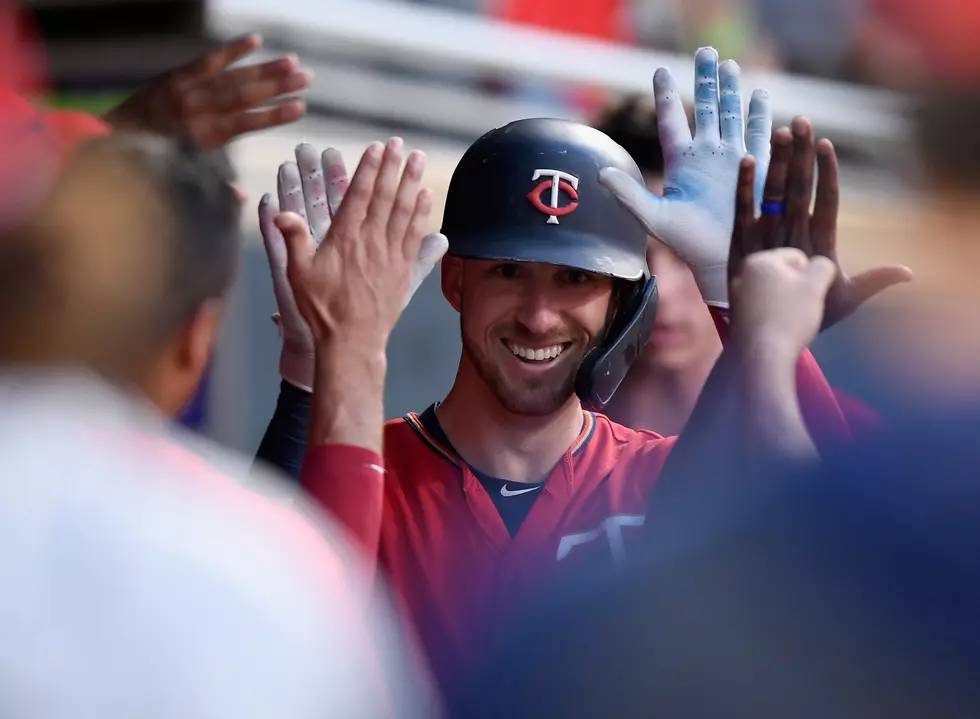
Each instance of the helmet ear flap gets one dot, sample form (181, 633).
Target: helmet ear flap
(603, 368)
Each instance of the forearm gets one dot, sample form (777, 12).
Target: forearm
(348, 397)
(344, 468)
(770, 418)
(284, 444)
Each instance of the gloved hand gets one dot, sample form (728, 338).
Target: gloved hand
(696, 213)
(313, 187)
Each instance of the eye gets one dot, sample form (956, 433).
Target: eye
(576, 277)
(508, 270)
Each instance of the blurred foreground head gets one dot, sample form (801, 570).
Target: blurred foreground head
(125, 267)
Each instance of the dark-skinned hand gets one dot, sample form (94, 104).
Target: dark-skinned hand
(790, 180)
(211, 103)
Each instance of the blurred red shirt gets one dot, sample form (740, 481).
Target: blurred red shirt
(598, 19)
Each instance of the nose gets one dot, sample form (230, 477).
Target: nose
(538, 313)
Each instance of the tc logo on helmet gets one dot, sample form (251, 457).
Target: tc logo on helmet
(557, 181)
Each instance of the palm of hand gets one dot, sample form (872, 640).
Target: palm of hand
(697, 187)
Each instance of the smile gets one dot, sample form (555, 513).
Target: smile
(536, 354)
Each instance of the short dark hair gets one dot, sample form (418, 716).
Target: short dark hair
(632, 124)
(202, 238)
(180, 250)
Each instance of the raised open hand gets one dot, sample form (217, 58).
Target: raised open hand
(786, 219)
(211, 103)
(352, 287)
(313, 187)
(694, 217)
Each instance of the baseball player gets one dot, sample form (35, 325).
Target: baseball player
(509, 481)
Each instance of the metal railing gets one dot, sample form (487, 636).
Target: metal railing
(352, 45)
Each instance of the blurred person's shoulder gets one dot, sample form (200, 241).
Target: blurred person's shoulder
(218, 600)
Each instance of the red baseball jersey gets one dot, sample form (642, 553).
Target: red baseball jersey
(453, 563)
(437, 533)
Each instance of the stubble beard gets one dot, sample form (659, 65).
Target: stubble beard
(534, 397)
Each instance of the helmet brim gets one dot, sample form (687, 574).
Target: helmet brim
(554, 246)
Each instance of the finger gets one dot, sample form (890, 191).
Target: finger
(214, 62)
(675, 133)
(314, 190)
(211, 131)
(406, 196)
(867, 284)
(246, 87)
(823, 224)
(646, 207)
(431, 252)
(336, 176)
(758, 137)
(820, 272)
(361, 189)
(386, 184)
(411, 241)
(296, 234)
(799, 181)
(706, 120)
(743, 239)
(275, 245)
(732, 122)
(289, 185)
(771, 229)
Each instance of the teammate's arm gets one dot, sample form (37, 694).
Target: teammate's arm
(312, 187)
(350, 291)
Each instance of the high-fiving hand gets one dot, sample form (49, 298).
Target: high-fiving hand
(778, 299)
(695, 215)
(212, 104)
(786, 219)
(365, 245)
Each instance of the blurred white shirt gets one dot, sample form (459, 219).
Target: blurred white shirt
(139, 581)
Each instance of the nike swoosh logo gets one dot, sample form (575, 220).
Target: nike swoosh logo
(504, 492)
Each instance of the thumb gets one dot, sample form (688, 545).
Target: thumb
(867, 284)
(646, 207)
(275, 246)
(431, 251)
(821, 273)
(296, 234)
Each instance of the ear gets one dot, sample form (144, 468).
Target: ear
(452, 281)
(197, 340)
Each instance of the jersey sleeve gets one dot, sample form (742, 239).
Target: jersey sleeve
(348, 482)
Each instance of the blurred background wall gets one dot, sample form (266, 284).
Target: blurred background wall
(442, 72)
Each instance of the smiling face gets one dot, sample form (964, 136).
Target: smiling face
(526, 327)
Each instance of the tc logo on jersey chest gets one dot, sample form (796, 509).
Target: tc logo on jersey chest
(557, 182)
(610, 528)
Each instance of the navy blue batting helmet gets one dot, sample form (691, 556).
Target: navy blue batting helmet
(530, 192)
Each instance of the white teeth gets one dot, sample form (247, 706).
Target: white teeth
(538, 355)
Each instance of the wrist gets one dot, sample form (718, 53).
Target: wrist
(348, 397)
(762, 348)
(713, 284)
